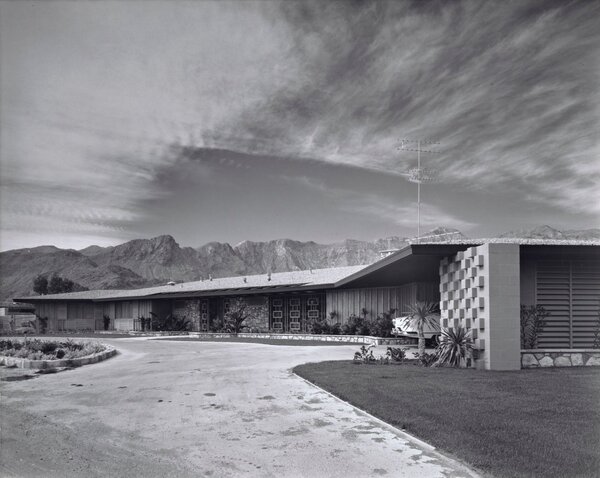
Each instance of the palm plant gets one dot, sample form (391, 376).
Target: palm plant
(423, 314)
(456, 346)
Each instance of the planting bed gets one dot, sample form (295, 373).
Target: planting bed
(37, 353)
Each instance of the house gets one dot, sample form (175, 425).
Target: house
(479, 285)
(14, 315)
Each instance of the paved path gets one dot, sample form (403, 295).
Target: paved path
(166, 408)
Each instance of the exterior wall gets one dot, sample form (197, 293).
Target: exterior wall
(347, 302)
(258, 307)
(188, 309)
(80, 316)
(559, 358)
(480, 291)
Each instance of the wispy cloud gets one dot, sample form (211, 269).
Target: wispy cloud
(99, 96)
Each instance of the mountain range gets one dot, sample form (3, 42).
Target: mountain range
(147, 262)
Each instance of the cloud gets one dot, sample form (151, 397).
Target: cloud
(100, 99)
(508, 89)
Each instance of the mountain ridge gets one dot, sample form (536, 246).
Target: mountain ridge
(147, 262)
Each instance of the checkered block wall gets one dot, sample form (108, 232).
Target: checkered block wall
(462, 284)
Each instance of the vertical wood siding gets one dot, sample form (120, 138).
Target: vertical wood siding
(347, 302)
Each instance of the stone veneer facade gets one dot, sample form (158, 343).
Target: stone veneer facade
(480, 291)
(189, 309)
(258, 308)
(534, 358)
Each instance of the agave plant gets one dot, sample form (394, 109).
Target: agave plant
(423, 314)
(455, 347)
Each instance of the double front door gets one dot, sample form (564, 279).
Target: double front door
(295, 313)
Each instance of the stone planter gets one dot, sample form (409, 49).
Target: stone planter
(45, 364)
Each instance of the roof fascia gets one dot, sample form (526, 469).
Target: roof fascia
(410, 250)
(218, 293)
(386, 261)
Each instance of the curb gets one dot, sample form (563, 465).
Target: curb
(407, 436)
(46, 364)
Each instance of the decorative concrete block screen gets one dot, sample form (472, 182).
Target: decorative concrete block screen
(479, 290)
(462, 284)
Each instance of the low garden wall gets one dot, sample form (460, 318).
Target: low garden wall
(353, 339)
(46, 364)
(534, 358)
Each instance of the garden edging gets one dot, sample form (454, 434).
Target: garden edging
(46, 364)
(352, 339)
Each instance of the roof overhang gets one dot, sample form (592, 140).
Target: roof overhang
(560, 251)
(222, 292)
(414, 263)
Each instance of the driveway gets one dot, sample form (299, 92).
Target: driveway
(173, 408)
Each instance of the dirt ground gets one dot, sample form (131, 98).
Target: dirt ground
(165, 408)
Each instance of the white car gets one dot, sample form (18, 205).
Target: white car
(404, 328)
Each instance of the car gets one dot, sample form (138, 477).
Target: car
(404, 328)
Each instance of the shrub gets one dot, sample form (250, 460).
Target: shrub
(49, 350)
(396, 354)
(383, 324)
(427, 359)
(364, 355)
(533, 321)
(106, 321)
(43, 324)
(170, 323)
(322, 327)
(335, 329)
(455, 347)
(356, 325)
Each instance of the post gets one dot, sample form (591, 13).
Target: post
(419, 192)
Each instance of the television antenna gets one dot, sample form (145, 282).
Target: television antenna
(419, 175)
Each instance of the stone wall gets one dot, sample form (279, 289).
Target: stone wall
(190, 309)
(258, 320)
(534, 358)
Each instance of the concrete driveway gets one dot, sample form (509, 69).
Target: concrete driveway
(168, 408)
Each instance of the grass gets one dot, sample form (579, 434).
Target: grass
(540, 422)
(248, 340)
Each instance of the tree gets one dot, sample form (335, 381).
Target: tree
(238, 313)
(60, 285)
(423, 314)
(40, 285)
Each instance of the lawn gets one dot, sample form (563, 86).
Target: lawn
(248, 340)
(543, 422)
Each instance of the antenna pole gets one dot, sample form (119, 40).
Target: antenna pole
(419, 193)
(419, 175)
